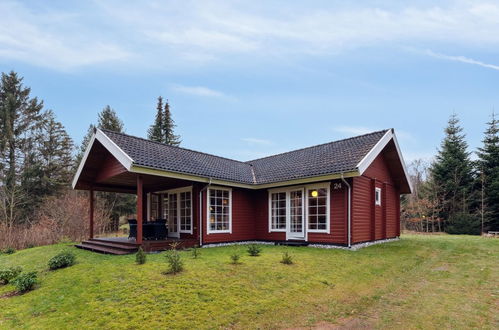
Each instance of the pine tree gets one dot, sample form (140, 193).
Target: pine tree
(452, 172)
(108, 119)
(20, 117)
(155, 132)
(20, 122)
(163, 128)
(488, 169)
(56, 154)
(169, 127)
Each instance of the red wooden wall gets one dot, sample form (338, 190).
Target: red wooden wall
(369, 221)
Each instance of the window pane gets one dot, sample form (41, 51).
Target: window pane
(219, 209)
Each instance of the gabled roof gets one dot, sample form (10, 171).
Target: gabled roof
(347, 157)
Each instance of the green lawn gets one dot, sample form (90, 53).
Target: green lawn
(417, 282)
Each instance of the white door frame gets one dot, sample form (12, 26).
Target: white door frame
(176, 192)
(289, 234)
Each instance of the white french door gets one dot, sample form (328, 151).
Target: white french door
(295, 215)
(173, 218)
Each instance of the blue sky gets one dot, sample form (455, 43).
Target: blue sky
(249, 79)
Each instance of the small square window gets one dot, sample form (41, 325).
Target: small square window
(377, 196)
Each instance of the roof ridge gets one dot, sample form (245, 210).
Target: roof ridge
(318, 145)
(176, 147)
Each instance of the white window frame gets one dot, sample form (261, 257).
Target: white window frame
(377, 196)
(177, 191)
(326, 186)
(277, 191)
(208, 230)
(306, 189)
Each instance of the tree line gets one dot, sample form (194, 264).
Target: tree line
(38, 158)
(455, 193)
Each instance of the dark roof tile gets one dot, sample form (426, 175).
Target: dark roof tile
(329, 158)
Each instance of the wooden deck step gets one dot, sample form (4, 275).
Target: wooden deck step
(118, 245)
(293, 243)
(111, 248)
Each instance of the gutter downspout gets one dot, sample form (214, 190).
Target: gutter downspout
(201, 212)
(349, 210)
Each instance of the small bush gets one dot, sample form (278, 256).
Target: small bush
(195, 252)
(287, 259)
(254, 250)
(175, 263)
(62, 260)
(26, 281)
(8, 274)
(463, 223)
(140, 257)
(234, 258)
(9, 250)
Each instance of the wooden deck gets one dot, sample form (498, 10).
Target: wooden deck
(124, 245)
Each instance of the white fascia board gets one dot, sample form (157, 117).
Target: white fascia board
(363, 165)
(116, 151)
(374, 152)
(402, 161)
(83, 160)
(113, 148)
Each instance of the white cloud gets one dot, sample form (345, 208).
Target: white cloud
(49, 39)
(198, 91)
(256, 141)
(175, 35)
(462, 59)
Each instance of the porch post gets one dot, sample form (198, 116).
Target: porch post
(91, 213)
(140, 210)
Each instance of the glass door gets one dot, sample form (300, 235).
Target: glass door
(173, 216)
(295, 218)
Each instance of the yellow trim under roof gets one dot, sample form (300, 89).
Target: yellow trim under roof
(176, 175)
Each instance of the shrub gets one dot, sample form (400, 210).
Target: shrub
(195, 252)
(62, 260)
(175, 263)
(140, 257)
(463, 223)
(254, 250)
(287, 259)
(26, 281)
(234, 258)
(8, 274)
(9, 250)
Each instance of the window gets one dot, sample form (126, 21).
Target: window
(295, 210)
(278, 211)
(154, 206)
(318, 209)
(219, 210)
(185, 212)
(377, 196)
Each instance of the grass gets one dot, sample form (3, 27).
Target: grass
(417, 282)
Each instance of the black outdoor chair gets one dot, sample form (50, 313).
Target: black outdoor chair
(160, 231)
(132, 223)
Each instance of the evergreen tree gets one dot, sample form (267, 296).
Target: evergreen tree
(452, 172)
(155, 132)
(108, 119)
(20, 122)
(20, 117)
(163, 128)
(488, 173)
(168, 127)
(56, 151)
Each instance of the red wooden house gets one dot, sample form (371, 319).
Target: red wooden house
(339, 193)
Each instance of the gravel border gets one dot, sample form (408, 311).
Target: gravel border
(354, 247)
